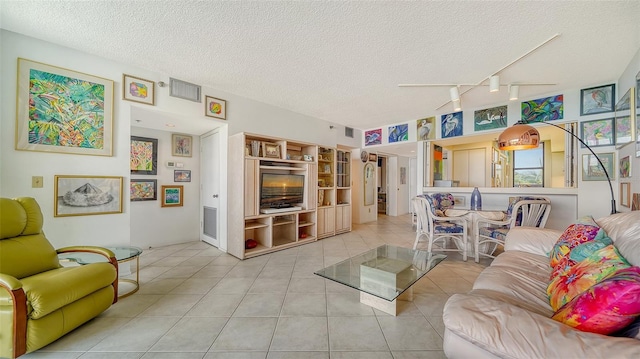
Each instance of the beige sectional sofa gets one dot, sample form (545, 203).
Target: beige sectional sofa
(507, 313)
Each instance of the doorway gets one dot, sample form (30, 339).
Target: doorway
(210, 194)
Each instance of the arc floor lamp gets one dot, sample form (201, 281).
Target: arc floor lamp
(523, 136)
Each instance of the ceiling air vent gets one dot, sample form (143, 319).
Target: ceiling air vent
(348, 132)
(184, 90)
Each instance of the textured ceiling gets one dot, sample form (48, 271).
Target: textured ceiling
(343, 61)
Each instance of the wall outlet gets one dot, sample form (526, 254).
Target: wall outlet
(37, 182)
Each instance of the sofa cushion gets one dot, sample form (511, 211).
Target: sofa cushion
(575, 279)
(52, 290)
(518, 278)
(630, 331)
(584, 230)
(606, 307)
(624, 230)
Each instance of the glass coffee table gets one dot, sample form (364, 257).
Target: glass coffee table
(123, 254)
(383, 274)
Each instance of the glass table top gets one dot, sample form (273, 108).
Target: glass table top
(384, 272)
(122, 254)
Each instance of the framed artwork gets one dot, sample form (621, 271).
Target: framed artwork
(597, 132)
(625, 101)
(399, 133)
(172, 196)
(60, 110)
(451, 124)
(181, 145)
(597, 99)
(373, 157)
(215, 107)
(591, 169)
(271, 150)
(144, 189)
(426, 128)
(490, 118)
(182, 175)
(373, 137)
(543, 109)
(625, 194)
(138, 90)
(143, 159)
(87, 195)
(624, 130)
(625, 167)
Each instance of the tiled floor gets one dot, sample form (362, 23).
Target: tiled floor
(197, 302)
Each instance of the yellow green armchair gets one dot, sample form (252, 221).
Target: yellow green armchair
(40, 301)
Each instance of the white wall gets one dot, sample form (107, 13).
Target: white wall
(17, 167)
(153, 225)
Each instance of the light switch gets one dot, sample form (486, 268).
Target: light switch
(36, 182)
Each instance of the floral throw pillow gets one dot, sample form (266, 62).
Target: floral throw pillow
(607, 307)
(584, 230)
(577, 278)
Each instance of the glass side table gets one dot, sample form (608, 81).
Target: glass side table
(123, 254)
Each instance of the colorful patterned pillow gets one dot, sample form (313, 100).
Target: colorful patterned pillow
(631, 331)
(575, 279)
(584, 230)
(607, 307)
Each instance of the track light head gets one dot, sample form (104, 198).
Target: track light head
(457, 106)
(513, 92)
(455, 94)
(494, 83)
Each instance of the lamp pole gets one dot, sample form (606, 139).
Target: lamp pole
(613, 198)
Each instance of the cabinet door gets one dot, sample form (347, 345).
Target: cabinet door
(251, 184)
(343, 218)
(330, 220)
(322, 214)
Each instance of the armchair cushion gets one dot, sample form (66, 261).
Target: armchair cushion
(52, 290)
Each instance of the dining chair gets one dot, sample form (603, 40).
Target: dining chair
(521, 212)
(434, 226)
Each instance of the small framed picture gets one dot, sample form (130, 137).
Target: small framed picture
(597, 99)
(625, 194)
(593, 171)
(625, 167)
(215, 107)
(181, 145)
(271, 150)
(144, 189)
(172, 196)
(182, 175)
(597, 132)
(373, 157)
(138, 90)
(143, 158)
(87, 195)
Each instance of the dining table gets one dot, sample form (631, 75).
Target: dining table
(471, 215)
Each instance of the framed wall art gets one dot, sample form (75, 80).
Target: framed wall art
(181, 145)
(172, 196)
(271, 150)
(143, 189)
(215, 107)
(87, 195)
(373, 137)
(426, 128)
(543, 109)
(591, 169)
(138, 90)
(625, 194)
(597, 132)
(625, 167)
(624, 130)
(399, 133)
(144, 156)
(373, 157)
(489, 119)
(182, 175)
(60, 110)
(597, 99)
(451, 124)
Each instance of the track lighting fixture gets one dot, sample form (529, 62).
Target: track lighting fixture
(455, 94)
(494, 83)
(457, 106)
(513, 92)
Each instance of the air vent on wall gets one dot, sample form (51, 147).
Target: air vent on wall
(348, 132)
(184, 90)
